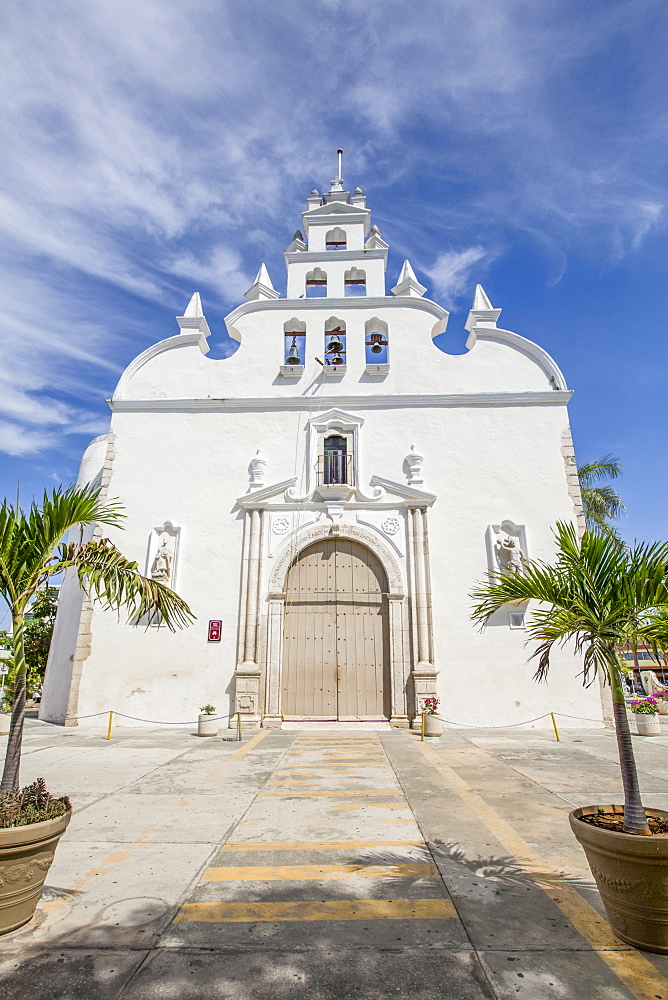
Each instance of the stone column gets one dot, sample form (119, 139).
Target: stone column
(272, 699)
(247, 675)
(424, 672)
(399, 663)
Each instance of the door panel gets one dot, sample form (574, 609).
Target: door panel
(336, 634)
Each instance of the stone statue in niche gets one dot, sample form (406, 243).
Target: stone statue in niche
(161, 570)
(509, 554)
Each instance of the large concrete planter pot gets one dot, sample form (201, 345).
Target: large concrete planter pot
(207, 725)
(5, 722)
(648, 725)
(26, 853)
(631, 873)
(432, 726)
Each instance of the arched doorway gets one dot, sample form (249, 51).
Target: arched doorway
(335, 636)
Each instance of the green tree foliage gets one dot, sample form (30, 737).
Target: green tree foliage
(601, 503)
(39, 622)
(597, 595)
(33, 552)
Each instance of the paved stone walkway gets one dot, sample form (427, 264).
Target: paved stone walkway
(327, 865)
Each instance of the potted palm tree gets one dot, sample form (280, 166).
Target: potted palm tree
(595, 595)
(32, 552)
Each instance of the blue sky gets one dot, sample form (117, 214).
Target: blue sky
(157, 147)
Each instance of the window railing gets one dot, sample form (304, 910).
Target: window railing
(335, 468)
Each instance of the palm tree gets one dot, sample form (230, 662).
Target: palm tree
(32, 551)
(601, 503)
(597, 594)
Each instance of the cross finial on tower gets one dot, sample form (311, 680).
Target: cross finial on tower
(337, 183)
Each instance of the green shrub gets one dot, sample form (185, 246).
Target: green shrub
(32, 804)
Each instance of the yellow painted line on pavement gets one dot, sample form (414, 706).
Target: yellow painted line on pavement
(317, 766)
(252, 743)
(291, 781)
(303, 873)
(376, 805)
(331, 909)
(317, 845)
(339, 793)
(636, 972)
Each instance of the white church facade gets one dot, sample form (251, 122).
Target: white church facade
(327, 497)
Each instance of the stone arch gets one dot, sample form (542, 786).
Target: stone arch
(306, 536)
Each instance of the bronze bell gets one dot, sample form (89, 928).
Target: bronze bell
(337, 359)
(293, 354)
(335, 346)
(377, 343)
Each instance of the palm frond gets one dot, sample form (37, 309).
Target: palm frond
(109, 577)
(29, 540)
(594, 595)
(607, 467)
(600, 502)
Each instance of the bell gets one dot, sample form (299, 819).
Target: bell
(376, 348)
(293, 354)
(337, 360)
(335, 346)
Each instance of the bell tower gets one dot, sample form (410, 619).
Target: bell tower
(339, 254)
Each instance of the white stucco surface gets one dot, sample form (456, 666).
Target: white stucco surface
(491, 427)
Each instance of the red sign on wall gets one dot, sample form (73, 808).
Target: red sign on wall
(215, 631)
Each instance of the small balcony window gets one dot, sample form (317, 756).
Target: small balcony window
(335, 465)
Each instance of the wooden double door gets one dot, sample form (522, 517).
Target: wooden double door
(335, 639)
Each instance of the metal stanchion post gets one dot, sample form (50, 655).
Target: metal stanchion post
(111, 719)
(238, 725)
(554, 723)
(422, 728)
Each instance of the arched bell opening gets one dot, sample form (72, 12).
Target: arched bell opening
(355, 281)
(376, 342)
(316, 283)
(294, 351)
(336, 636)
(336, 239)
(335, 342)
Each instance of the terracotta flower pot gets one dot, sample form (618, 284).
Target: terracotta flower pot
(26, 853)
(648, 725)
(432, 726)
(207, 725)
(631, 873)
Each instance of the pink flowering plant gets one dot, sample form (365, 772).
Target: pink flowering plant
(430, 706)
(644, 706)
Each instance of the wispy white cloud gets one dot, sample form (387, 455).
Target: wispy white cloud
(455, 272)
(157, 147)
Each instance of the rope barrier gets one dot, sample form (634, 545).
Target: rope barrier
(152, 722)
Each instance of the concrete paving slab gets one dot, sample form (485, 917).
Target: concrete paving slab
(176, 818)
(67, 974)
(536, 975)
(333, 974)
(294, 936)
(113, 895)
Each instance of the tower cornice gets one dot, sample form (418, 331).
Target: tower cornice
(322, 256)
(332, 305)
